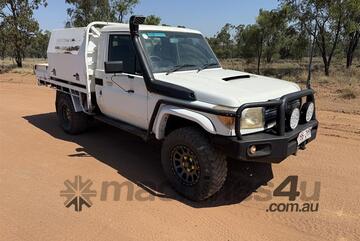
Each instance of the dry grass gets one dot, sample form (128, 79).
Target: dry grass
(347, 93)
(296, 71)
(9, 66)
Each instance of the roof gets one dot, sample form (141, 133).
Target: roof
(125, 28)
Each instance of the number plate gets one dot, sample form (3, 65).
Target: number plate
(304, 135)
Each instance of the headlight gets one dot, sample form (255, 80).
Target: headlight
(252, 118)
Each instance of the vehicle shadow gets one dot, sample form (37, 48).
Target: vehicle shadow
(140, 163)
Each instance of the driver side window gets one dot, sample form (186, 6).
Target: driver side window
(121, 48)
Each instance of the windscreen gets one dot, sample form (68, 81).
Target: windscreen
(167, 51)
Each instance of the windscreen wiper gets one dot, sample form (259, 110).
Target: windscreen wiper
(179, 67)
(205, 66)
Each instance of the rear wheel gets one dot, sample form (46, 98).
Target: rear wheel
(70, 121)
(193, 166)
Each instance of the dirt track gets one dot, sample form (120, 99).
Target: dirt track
(36, 157)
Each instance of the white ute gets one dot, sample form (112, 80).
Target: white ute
(166, 83)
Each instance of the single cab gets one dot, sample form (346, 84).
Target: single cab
(166, 83)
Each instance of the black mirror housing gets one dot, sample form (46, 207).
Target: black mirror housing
(114, 67)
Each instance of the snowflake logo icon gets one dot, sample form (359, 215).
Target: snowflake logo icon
(78, 193)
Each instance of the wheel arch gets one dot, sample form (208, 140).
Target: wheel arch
(167, 115)
(74, 96)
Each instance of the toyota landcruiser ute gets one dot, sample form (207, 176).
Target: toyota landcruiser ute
(165, 83)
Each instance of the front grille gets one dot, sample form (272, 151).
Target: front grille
(271, 112)
(292, 105)
(270, 115)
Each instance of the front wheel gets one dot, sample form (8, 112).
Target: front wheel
(193, 166)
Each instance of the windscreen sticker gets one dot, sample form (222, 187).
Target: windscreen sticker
(156, 34)
(145, 36)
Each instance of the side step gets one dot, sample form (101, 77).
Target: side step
(123, 126)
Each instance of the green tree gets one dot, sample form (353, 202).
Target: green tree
(253, 43)
(273, 25)
(323, 20)
(123, 7)
(294, 44)
(17, 17)
(38, 45)
(152, 20)
(3, 40)
(83, 12)
(263, 38)
(215, 45)
(238, 39)
(222, 42)
(351, 28)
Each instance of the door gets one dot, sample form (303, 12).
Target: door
(124, 96)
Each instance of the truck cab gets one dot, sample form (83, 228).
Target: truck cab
(166, 83)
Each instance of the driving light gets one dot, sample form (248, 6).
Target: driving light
(308, 111)
(294, 118)
(252, 118)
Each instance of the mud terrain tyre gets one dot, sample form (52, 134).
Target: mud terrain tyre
(192, 165)
(70, 121)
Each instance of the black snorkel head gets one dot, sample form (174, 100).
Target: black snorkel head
(134, 23)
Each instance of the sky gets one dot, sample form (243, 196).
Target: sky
(204, 15)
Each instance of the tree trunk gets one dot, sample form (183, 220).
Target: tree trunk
(258, 65)
(19, 62)
(322, 49)
(326, 62)
(121, 17)
(18, 51)
(259, 60)
(260, 50)
(322, 44)
(268, 58)
(2, 54)
(327, 68)
(308, 82)
(349, 59)
(18, 59)
(353, 43)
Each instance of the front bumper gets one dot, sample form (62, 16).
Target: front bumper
(271, 148)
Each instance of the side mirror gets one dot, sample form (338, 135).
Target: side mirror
(114, 67)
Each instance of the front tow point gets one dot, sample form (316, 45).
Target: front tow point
(302, 146)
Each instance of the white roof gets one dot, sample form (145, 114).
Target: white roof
(120, 27)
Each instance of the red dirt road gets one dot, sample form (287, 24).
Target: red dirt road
(36, 157)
